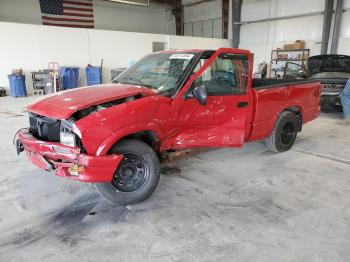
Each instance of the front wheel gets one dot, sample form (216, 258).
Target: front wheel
(284, 132)
(136, 177)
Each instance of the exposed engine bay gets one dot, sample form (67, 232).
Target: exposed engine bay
(96, 108)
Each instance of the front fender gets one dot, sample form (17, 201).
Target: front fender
(126, 131)
(100, 130)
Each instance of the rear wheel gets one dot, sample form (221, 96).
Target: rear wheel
(284, 132)
(136, 177)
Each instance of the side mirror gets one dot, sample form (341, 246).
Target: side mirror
(200, 93)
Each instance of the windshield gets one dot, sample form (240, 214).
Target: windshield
(160, 72)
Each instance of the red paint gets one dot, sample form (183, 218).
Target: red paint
(67, 19)
(269, 103)
(62, 105)
(69, 25)
(77, 3)
(44, 154)
(178, 122)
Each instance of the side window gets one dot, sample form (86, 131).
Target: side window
(227, 74)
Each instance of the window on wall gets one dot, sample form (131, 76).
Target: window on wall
(227, 74)
(158, 46)
(211, 28)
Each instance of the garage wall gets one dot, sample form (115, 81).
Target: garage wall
(202, 18)
(156, 18)
(186, 42)
(262, 37)
(344, 36)
(31, 47)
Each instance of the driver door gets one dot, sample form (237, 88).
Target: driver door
(222, 120)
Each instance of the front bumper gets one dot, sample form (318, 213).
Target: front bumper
(53, 156)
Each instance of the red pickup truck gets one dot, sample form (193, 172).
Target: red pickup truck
(114, 134)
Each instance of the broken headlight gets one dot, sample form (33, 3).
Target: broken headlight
(67, 138)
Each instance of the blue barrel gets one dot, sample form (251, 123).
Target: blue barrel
(69, 77)
(17, 85)
(93, 75)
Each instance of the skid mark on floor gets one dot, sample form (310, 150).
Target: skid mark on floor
(325, 156)
(68, 225)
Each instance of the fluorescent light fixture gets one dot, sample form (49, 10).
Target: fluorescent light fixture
(140, 3)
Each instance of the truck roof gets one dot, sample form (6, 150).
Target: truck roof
(196, 51)
(185, 50)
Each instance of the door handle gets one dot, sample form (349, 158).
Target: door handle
(242, 104)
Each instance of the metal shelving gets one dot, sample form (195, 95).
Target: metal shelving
(39, 80)
(280, 57)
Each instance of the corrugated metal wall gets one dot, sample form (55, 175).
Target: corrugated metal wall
(262, 37)
(202, 18)
(344, 36)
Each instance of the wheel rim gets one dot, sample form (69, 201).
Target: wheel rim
(131, 173)
(287, 133)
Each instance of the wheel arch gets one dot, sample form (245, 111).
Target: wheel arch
(298, 112)
(150, 136)
(263, 129)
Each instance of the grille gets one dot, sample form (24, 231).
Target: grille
(44, 128)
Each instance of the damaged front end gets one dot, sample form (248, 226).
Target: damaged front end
(55, 145)
(54, 142)
(67, 161)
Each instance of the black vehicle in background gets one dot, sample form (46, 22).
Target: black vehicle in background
(333, 71)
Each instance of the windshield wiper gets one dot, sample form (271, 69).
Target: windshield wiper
(129, 80)
(133, 81)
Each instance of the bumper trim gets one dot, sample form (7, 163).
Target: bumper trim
(19, 147)
(53, 156)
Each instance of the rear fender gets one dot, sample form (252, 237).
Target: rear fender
(299, 114)
(293, 108)
(264, 129)
(289, 107)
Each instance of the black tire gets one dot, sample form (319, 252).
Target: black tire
(284, 133)
(136, 177)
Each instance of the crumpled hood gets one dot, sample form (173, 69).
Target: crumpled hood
(62, 105)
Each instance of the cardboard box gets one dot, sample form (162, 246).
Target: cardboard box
(288, 47)
(299, 44)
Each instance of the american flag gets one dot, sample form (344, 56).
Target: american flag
(70, 13)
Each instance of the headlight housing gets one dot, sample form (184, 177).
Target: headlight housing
(67, 138)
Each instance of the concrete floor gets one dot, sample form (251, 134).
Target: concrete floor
(224, 205)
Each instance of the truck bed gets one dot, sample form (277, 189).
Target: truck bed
(271, 83)
(272, 96)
